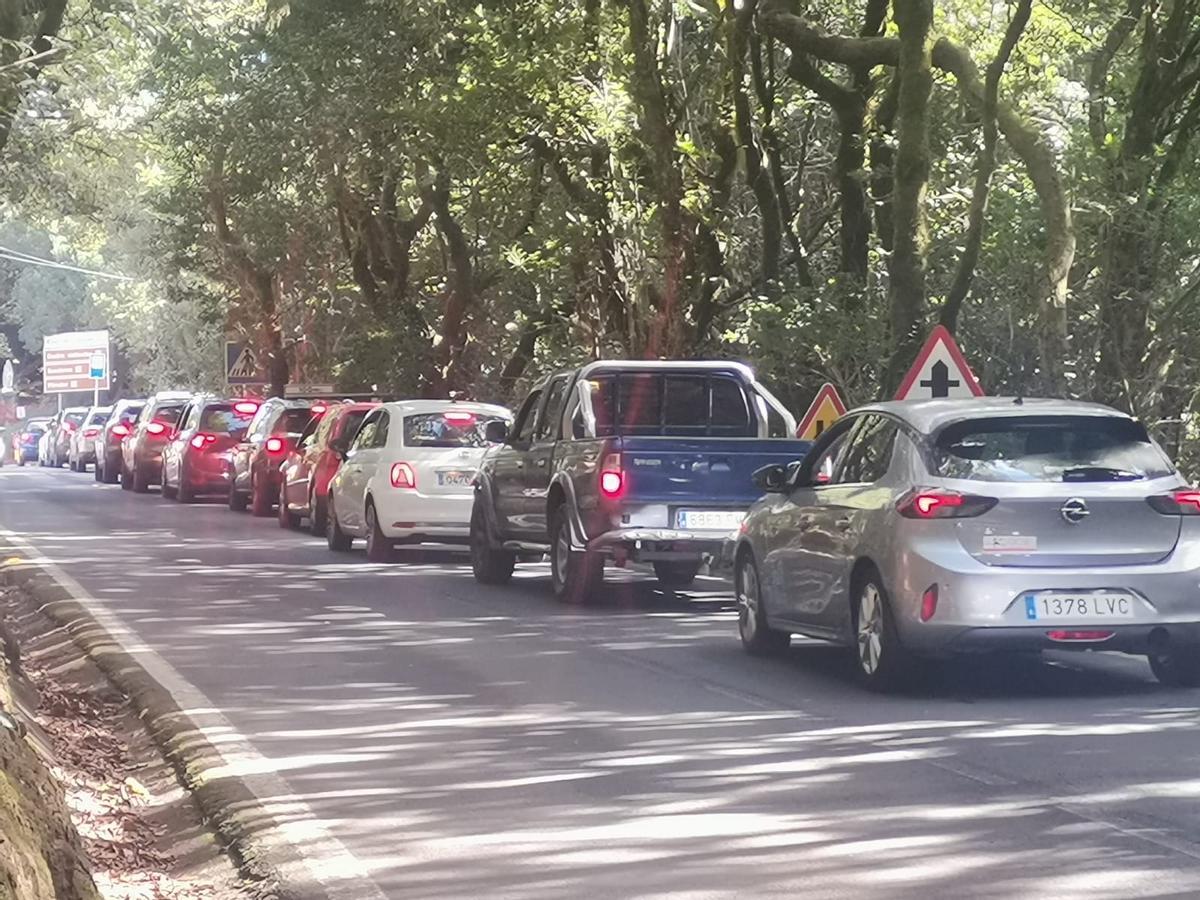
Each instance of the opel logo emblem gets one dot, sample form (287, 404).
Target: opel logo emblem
(1075, 511)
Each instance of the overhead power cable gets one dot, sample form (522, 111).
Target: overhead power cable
(30, 259)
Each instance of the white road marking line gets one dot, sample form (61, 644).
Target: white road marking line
(324, 859)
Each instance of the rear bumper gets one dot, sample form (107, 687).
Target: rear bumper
(659, 544)
(1137, 639)
(414, 517)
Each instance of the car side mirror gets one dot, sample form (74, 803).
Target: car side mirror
(496, 432)
(772, 479)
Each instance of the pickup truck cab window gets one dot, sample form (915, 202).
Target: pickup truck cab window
(548, 421)
(672, 404)
(526, 419)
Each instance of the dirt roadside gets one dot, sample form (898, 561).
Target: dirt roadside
(141, 833)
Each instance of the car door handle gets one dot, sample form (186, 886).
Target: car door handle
(844, 524)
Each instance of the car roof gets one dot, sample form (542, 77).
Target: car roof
(666, 365)
(415, 407)
(77, 409)
(928, 416)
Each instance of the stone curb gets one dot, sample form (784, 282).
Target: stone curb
(227, 803)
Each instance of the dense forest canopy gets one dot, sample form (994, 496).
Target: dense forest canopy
(431, 196)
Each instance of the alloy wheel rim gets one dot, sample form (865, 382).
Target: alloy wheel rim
(870, 628)
(562, 547)
(748, 603)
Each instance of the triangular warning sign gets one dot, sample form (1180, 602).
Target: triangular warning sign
(940, 371)
(827, 407)
(245, 366)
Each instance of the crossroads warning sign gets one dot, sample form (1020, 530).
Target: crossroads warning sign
(941, 370)
(827, 407)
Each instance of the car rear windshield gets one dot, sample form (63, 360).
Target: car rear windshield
(35, 428)
(98, 418)
(130, 413)
(222, 418)
(1049, 448)
(75, 418)
(659, 403)
(452, 428)
(294, 421)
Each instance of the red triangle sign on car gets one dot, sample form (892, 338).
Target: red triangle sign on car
(827, 407)
(940, 371)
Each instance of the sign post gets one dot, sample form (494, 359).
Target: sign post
(75, 361)
(940, 371)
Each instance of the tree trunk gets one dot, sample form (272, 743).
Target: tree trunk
(460, 294)
(914, 19)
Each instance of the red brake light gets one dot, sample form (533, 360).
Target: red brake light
(1183, 502)
(928, 503)
(70, 426)
(929, 601)
(91, 432)
(275, 445)
(319, 409)
(612, 479)
(459, 418)
(156, 428)
(245, 407)
(403, 476)
(121, 430)
(200, 441)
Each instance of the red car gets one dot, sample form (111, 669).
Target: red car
(196, 462)
(306, 473)
(254, 463)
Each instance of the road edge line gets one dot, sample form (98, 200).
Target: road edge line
(271, 861)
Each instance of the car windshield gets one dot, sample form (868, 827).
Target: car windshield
(98, 418)
(222, 418)
(683, 403)
(1049, 448)
(130, 413)
(452, 428)
(75, 418)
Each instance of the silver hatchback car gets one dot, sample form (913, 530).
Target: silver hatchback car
(947, 526)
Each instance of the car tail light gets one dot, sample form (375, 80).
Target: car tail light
(612, 478)
(69, 426)
(201, 441)
(1072, 635)
(1184, 502)
(245, 407)
(929, 601)
(403, 476)
(319, 409)
(928, 503)
(90, 432)
(121, 430)
(459, 418)
(275, 445)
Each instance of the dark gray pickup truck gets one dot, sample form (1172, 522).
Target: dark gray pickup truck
(626, 461)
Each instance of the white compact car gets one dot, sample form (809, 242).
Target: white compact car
(408, 477)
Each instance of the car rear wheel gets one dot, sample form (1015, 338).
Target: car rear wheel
(261, 503)
(338, 540)
(141, 482)
(168, 491)
(185, 492)
(287, 518)
(1178, 667)
(576, 575)
(489, 564)
(883, 662)
(379, 548)
(318, 517)
(126, 479)
(758, 637)
(109, 474)
(673, 574)
(97, 472)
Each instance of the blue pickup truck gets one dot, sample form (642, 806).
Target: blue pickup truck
(626, 461)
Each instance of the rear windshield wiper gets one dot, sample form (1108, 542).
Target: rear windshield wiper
(1099, 473)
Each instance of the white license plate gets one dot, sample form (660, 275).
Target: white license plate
(708, 519)
(455, 478)
(1066, 605)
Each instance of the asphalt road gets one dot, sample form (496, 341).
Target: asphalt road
(464, 741)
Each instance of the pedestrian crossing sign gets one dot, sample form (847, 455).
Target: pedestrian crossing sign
(241, 364)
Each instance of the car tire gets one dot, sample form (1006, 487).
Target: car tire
(109, 474)
(576, 575)
(168, 492)
(338, 540)
(489, 564)
(379, 548)
(287, 519)
(98, 473)
(758, 637)
(882, 662)
(1177, 667)
(318, 515)
(260, 497)
(673, 574)
(126, 479)
(184, 493)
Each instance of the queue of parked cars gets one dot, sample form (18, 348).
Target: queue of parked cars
(908, 530)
